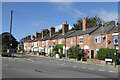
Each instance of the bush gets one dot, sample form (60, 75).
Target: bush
(41, 53)
(56, 49)
(62, 55)
(106, 53)
(75, 52)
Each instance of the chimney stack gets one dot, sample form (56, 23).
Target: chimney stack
(44, 33)
(65, 27)
(33, 37)
(86, 23)
(37, 35)
(52, 31)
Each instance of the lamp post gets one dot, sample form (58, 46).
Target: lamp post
(10, 34)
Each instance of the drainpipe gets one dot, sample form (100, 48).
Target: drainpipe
(76, 40)
(65, 48)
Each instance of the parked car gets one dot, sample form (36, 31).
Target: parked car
(6, 54)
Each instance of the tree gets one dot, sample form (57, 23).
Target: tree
(78, 25)
(59, 31)
(5, 41)
(95, 21)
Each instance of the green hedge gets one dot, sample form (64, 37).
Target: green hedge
(75, 52)
(106, 53)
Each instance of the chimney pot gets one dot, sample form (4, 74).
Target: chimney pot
(86, 23)
(52, 31)
(44, 33)
(65, 27)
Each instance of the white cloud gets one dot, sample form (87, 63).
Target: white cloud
(107, 15)
(67, 8)
(60, 27)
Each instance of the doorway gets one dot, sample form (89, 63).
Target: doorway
(92, 54)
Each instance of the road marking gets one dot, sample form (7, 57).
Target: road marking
(113, 71)
(101, 70)
(74, 66)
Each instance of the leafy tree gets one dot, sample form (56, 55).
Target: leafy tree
(59, 31)
(95, 21)
(5, 41)
(78, 25)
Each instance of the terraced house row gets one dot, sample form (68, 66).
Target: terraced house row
(91, 39)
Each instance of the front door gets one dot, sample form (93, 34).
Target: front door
(92, 54)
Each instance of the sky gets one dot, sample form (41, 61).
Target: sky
(29, 17)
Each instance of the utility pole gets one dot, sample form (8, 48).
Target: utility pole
(10, 33)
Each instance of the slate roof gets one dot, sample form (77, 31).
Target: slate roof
(83, 32)
(60, 36)
(49, 38)
(108, 27)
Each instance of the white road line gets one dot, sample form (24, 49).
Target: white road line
(101, 70)
(113, 71)
(74, 66)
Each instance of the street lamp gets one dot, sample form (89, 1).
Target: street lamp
(10, 33)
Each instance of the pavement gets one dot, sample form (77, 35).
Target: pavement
(32, 66)
(74, 60)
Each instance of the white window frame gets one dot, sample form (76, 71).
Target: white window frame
(42, 43)
(79, 40)
(53, 42)
(98, 39)
(71, 41)
(60, 41)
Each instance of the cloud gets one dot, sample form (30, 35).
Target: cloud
(67, 8)
(107, 15)
(60, 27)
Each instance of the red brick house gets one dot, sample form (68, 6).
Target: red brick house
(89, 39)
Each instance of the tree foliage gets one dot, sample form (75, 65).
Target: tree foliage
(75, 52)
(78, 25)
(56, 49)
(95, 21)
(5, 41)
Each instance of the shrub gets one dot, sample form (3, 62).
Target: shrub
(56, 49)
(106, 53)
(75, 52)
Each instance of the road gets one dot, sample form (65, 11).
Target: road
(42, 67)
